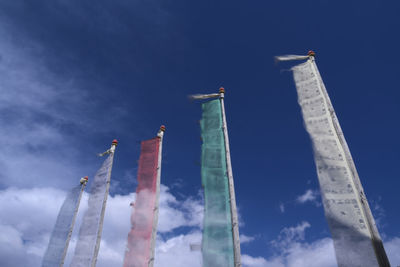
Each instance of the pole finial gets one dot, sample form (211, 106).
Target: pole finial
(222, 90)
(311, 53)
(114, 142)
(84, 180)
(162, 128)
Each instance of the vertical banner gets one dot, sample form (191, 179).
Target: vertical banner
(217, 244)
(90, 232)
(139, 245)
(356, 239)
(58, 244)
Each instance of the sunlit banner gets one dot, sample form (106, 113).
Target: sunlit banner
(355, 236)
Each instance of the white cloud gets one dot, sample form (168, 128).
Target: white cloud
(309, 196)
(288, 235)
(246, 239)
(392, 247)
(31, 214)
(315, 254)
(249, 261)
(297, 254)
(293, 251)
(26, 222)
(184, 213)
(176, 251)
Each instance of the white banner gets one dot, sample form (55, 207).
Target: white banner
(345, 205)
(90, 232)
(58, 243)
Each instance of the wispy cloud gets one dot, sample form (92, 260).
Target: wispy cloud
(282, 207)
(290, 234)
(47, 117)
(309, 196)
(378, 211)
(246, 239)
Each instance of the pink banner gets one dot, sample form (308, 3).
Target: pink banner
(139, 238)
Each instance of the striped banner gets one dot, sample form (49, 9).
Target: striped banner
(139, 246)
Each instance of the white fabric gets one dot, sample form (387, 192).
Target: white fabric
(91, 228)
(205, 96)
(108, 151)
(290, 57)
(340, 195)
(59, 239)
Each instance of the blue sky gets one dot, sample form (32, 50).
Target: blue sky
(76, 74)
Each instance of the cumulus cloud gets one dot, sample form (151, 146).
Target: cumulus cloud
(392, 247)
(293, 251)
(31, 214)
(184, 213)
(26, 223)
(176, 251)
(249, 261)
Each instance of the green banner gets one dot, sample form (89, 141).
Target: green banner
(217, 244)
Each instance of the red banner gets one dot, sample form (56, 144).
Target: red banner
(142, 218)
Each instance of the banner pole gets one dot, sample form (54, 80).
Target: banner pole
(103, 210)
(235, 224)
(160, 135)
(83, 182)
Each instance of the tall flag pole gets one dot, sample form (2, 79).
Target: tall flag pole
(235, 222)
(88, 245)
(61, 235)
(220, 244)
(144, 219)
(355, 236)
(160, 135)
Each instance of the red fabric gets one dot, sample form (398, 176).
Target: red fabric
(139, 238)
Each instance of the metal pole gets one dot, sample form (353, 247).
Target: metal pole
(376, 239)
(72, 225)
(160, 135)
(100, 230)
(235, 224)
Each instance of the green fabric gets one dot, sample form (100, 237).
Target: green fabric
(217, 244)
